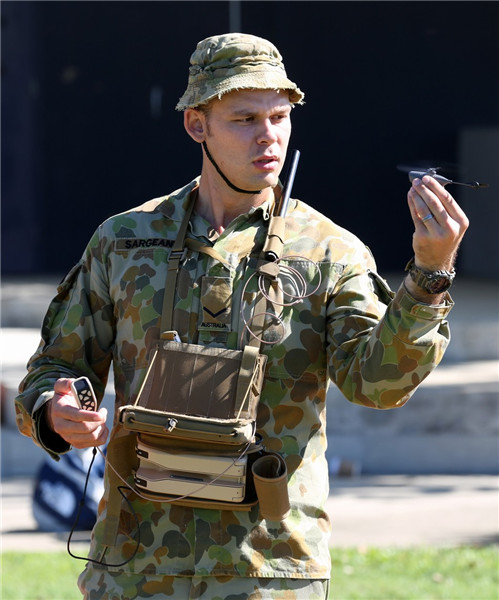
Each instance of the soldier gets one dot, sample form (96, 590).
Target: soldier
(340, 323)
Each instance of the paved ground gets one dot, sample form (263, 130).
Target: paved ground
(404, 511)
(383, 511)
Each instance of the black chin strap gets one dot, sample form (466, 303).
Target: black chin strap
(231, 185)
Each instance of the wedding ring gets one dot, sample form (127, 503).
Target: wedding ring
(427, 218)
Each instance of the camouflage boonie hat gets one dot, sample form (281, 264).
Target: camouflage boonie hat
(235, 61)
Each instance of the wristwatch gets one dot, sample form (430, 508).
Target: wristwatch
(433, 282)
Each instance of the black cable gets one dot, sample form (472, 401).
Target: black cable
(78, 513)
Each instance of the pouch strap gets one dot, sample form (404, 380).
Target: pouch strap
(247, 373)
(197, 246)
(120, 454)
(176, 255)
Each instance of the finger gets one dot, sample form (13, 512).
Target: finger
(82, 434)
(420, 212)
(95, 438)
(66, 407)
(64, 395)
(428, 203)
(76, 426)
(65, 398)
(447, 213)
(62, 386)
(413, 210)
(102, 439)
(447, 200)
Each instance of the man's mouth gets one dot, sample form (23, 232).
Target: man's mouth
(266, 163)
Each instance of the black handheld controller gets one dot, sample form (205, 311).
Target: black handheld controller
(84, 394)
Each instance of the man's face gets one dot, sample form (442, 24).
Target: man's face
(247, 133)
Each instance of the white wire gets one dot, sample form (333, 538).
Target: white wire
(300, 284)
(176, 498)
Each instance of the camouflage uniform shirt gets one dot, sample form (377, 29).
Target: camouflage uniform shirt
(376, 346)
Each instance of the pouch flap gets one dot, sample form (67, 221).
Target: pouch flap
(179, 426)
(192, 379)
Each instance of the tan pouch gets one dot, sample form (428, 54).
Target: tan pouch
(199, 393)
(149, 450)
(270, 476)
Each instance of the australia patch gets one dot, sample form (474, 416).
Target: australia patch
(216, 302)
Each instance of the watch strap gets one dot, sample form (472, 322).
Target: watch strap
(433, 282)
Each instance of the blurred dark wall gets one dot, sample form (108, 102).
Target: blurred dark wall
(89, 127)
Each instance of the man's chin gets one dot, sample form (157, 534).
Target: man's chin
(270, 181)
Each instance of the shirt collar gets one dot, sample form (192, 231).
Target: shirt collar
(174, 207)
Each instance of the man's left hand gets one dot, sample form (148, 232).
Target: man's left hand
(439, 223)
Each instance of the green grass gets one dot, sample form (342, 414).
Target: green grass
(417, 574)
(358, 574)
(40, 576)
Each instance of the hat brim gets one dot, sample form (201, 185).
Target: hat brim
(195, 95)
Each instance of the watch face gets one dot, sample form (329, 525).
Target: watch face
(434, 283)
(438, 285)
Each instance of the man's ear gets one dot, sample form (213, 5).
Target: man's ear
(195, 124)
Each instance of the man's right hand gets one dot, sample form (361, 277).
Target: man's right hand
(80, 428)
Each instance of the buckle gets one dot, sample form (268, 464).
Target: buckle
(171, 424)
(176, 256)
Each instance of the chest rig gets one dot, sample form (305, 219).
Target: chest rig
(194, 419)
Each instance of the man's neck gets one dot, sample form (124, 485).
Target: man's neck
(220, 205)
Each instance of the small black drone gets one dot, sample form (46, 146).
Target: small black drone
(433, 172)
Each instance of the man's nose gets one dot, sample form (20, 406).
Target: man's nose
(267, 132)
